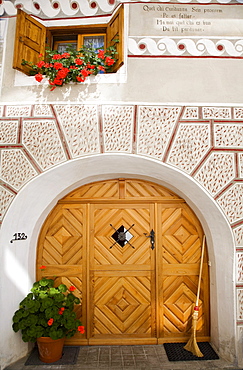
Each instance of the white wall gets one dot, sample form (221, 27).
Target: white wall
(151, 80)
(188, 81)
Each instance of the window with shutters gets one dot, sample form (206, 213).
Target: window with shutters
(32, 38)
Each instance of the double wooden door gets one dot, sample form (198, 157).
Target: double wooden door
(132, 249)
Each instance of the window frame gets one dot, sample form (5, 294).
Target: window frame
(25, 49)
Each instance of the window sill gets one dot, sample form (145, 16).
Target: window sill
(108, 78)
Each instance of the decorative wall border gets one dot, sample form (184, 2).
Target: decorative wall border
(184, 47)
(79, 8)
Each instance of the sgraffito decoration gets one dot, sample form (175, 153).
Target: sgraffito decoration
(77, 8)
(204, 142)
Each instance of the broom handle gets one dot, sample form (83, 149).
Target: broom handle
(200, 272)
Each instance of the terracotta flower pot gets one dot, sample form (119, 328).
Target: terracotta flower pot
(50, 350)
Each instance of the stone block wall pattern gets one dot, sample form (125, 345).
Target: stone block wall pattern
(203, 142)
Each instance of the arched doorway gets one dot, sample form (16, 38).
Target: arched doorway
(135, 288)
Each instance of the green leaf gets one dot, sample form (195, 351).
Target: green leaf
(18, 315)
(56, 333)
(62, 288)
(15, 327)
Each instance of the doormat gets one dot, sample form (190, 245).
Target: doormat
(69, 357)
(176, 352)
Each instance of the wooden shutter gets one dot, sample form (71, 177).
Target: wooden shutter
(30, 40)
(115, 30)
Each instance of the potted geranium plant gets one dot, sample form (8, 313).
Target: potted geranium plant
(47, 315)
(72, 65)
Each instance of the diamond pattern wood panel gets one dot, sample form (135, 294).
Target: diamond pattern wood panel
(95, 240)
(122, 306)
(99, 190)
(61, 251)
(106, 250)
(181, 253)
(64, 238)
(123, 276)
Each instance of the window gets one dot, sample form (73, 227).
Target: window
(32, 38)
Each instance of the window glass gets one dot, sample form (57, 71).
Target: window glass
(96, 41)
(61, 47)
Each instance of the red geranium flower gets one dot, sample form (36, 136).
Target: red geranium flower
(40, 64)
(78, 61)
(101, 54)
(109, 61)
(62, 73)
(81, 329)
(101, 68)
(42, 267)
(50, 322)
(85, 72)
(80, 79)
(72, 288)
(57, 56)
(65, 55)
(62, 309)
(39, 77)
(58, 65)
(58, 81)
(91, 66)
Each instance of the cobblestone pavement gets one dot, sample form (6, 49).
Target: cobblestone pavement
(126, 358)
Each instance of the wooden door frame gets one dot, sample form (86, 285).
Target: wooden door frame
(157, 201)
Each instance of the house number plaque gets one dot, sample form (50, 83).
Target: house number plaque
(18, 236)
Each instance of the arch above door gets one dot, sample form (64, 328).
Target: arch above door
(60, 180)
(132, 248)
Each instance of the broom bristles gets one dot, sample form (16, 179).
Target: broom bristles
(192, 347)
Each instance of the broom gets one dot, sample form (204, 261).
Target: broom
(191, 345)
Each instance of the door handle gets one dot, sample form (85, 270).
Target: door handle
(151, 236)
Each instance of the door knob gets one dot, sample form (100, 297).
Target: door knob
(151, 236)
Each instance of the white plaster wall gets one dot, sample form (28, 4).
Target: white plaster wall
(151, 80)
(33, 203)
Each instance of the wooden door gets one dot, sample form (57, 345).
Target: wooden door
(122, 274)
(180, 254)
(130, 293)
